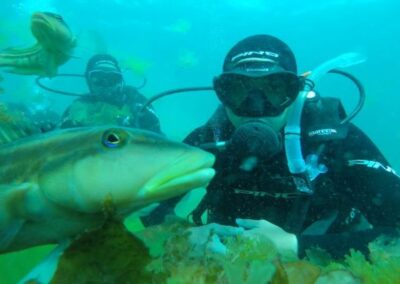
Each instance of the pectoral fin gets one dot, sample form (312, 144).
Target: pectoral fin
(12, 207)
(44, 271)
(8, 234)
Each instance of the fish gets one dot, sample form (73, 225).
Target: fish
(54, 46)
(188, 59)
(55, 186)
(180, 26)
(136, 65)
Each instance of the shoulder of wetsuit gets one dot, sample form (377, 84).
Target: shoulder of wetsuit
(133, 95)
(321, 120)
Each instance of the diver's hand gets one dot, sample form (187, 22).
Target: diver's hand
(283, 240)
(207, 238)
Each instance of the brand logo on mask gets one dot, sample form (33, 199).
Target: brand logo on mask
(322, 132)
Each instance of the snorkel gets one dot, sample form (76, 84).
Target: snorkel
(298, 167)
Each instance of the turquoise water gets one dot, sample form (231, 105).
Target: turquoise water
(182, 44)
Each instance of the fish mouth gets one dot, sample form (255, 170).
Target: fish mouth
(188, 172)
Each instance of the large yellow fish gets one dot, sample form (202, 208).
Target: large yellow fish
(55, 186)
(55, 43)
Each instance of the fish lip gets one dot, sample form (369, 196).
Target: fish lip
(160, 182)
(39, 18)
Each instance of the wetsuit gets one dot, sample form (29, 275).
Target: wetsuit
(356, 199)
(121, 109)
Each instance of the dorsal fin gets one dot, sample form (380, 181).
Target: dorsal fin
(15, 51)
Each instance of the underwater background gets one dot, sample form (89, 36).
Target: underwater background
(182, 43)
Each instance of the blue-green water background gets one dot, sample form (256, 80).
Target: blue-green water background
(183, 43)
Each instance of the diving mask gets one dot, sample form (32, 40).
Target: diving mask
(104, 78)
(257, 96)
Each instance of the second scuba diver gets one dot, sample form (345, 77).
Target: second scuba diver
(110, 100)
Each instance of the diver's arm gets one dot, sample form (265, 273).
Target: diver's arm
(147, 118)
(374, 189)
(340, 244)
(375, 186)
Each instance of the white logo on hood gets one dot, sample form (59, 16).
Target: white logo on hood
(255, 53)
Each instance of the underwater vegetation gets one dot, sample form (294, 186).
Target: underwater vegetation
(14, 123)
(109, 255)
(257, 261)
(7, 116)
(163, 254)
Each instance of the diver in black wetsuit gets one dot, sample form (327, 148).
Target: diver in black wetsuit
(352, 195)
(110, 100)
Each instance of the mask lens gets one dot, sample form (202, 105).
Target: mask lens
(105, 79)
(230, 89)
(267, 96)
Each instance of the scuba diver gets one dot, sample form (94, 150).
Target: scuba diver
(110, 101)
(349, 195)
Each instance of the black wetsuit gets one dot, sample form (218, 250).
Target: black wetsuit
(355, 201)
(121, 109)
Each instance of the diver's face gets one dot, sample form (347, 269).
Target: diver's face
(105, 83)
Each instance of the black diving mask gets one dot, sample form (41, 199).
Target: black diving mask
(257, 96)
(104, 78)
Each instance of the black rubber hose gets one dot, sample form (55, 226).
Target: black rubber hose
(361, 90)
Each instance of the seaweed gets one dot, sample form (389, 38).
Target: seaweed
(247, 261)
(164, 254)
(256, 260)
(108, 255)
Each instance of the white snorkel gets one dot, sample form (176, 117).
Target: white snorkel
(296, 163)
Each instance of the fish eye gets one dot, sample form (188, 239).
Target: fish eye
(58, 17)
(112, 139)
